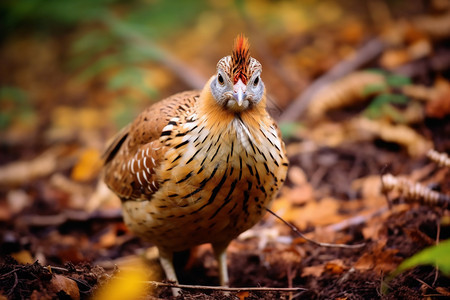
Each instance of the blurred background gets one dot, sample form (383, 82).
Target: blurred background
(85, 69)
(72, 73)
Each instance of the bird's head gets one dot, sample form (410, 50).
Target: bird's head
(237, 85)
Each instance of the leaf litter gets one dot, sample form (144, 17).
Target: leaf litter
(62, 234)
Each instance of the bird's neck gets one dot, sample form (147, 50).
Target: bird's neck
(216, 115)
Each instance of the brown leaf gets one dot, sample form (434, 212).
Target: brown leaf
(62, 283)
(88, 165)
(394, 58)
(443, 291)
(440, 107)
(313, 271)
(108, 239)
(379, 259)
(18, 172)
(335, 266)
(243, 295)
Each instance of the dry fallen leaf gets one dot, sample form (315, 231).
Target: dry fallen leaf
(315, 271)
(379, 259)
(128, 283)
(369, 186)
(297, 175)
(440, 106)
(443, 291)
(416, 144)
(23, 257)
(394, 58)
(67, 285)
(88, 165)
(343, 92)
(243, 295)
(15, 173)
(335, 266)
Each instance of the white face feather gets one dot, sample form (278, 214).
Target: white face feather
(243, 134)
(224, 85)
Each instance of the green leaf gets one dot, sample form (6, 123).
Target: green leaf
(102, 64)
(14, 94)
(438, 255)
(289, 129)
(371, 89)
(381, 106)
(397, 80)
(377, 71)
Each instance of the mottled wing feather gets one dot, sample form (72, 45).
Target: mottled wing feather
(115, 143)
(134, 155)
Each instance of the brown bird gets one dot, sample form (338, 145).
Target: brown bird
(200, 166)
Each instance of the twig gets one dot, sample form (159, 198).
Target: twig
(441, 159)
(356, 220)
(71, 215)
(313, 241)
(438, 233)
(415, 192)
(61, 269)
(223, 288)
(16, 281)
(367, 53)
(13, 271)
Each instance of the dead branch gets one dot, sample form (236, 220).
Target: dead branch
(19, 172)
(415, 143)
(223, 288)
(366, 54)
(442, 159)
(435, 26)
(295, 230)
(414, 192)
(71, 215)
(343, 92)
(355, 221)
(420, 92)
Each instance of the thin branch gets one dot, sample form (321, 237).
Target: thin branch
(415, 192)
(12, 271)
(16, 281)
(223, 288)
(366, 54)
(71, 215)
(61, 269)
(313, 241)
(356, 220)
(436, 267)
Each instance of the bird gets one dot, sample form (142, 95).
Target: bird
(200, 166)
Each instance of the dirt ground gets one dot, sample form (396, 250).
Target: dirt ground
(61, 230)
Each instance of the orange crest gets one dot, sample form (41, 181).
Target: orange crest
(240, 59)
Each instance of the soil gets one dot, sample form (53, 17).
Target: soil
(62, 238)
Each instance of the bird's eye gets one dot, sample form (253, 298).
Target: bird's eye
(220, 79)
(256, 81)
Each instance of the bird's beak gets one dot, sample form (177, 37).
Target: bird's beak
(239, 92)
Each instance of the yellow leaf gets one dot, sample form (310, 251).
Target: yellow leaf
(129, 283)
(88, 165)
(23, 257)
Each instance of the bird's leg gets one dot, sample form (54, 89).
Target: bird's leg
(221, 255)
(166, 259)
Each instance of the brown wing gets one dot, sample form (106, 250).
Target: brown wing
(136, 152)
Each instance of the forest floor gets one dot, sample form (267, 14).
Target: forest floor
(61, 230)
